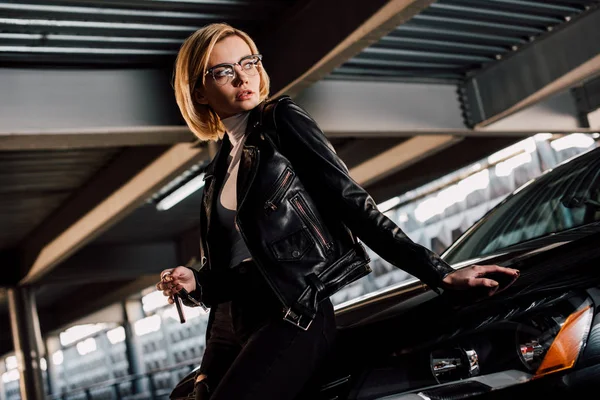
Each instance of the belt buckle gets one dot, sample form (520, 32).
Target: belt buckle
(295, 319)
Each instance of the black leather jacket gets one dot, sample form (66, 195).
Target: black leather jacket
(298, 213)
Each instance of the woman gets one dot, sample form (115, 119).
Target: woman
(278, 221)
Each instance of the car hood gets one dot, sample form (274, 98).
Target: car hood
(552, 264)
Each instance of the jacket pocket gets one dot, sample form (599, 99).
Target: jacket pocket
(311, 221)
(292, 247)
(281, 186)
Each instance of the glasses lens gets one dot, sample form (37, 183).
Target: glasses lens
(250, 64)
(222, 75)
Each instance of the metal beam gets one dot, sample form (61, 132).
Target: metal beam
(96, 138)
(310, 43)
(378, 106)
(557, 61)
(399, 157)
(114, 262)
(114, 208)
(112, 176)
(69, 100)
(394, 110)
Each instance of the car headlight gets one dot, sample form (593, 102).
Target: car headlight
(566, 347)
(546, 338)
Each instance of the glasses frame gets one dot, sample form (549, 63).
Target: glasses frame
(232, 65)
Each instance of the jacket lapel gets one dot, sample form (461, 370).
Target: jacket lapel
(213, 178)
(249, 157)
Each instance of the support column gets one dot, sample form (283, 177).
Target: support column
(131, 313)
(2, 388)
(54, 375)
(27, 341)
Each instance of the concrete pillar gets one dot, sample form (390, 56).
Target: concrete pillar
(52, 346)
(27, 341)
(132, 311)
(2, 388)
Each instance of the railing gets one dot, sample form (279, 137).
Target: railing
(115, 384)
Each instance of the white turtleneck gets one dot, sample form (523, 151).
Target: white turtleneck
(235, 128)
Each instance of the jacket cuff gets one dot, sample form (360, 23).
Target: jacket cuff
(197, 293)
(439, 270)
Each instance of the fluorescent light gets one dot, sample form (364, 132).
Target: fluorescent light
(389, 204)
(575, 140)
(116, 335)
(542, 137)
(78, 332)
(181, 193)
(451, 195)
(11, 362)
(147, 325)
(87, 346)
(58, 358)
(524, 146)
(154, 300)
(10, 376)
(505, 168)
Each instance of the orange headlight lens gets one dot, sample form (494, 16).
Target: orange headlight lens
(567, 345)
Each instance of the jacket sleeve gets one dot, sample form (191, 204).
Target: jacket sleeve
(325, 174)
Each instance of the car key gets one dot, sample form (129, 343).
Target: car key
(177, 300)
(179, 305)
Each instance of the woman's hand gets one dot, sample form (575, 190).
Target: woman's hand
(172, 280)
(494, 277)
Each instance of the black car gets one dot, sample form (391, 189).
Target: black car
(539, 338)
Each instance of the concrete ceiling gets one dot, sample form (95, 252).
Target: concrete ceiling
(407, 91)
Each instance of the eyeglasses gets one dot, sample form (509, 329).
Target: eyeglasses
(224, 73)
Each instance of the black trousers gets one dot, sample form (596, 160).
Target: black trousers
(252, 353)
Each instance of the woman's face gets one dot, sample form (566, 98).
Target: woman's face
(241, 93)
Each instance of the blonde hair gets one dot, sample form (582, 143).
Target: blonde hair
(191, 65)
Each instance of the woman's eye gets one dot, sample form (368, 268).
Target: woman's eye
(223, 72)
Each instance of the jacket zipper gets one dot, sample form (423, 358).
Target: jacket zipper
(284, 182)
(237, 221)
(305, 216)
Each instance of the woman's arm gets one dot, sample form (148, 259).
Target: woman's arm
(327, 178)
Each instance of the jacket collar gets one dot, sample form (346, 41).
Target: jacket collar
(254, 121)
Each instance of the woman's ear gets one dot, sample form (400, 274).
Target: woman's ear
(199, 97)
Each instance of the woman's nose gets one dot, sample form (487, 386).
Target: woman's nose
(240, 76)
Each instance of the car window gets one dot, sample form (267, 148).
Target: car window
(564, 198)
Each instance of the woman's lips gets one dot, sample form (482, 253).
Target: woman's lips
(245, 95)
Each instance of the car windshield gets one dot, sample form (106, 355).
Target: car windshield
(563, 198)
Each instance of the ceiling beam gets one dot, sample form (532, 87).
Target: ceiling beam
(311, 43)
(52, 100)
(112, 176)
(474, 133)
(115, 207)
(557, 61)
(400, 156)
(425, 170)
(95, 138)
(114, 262)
